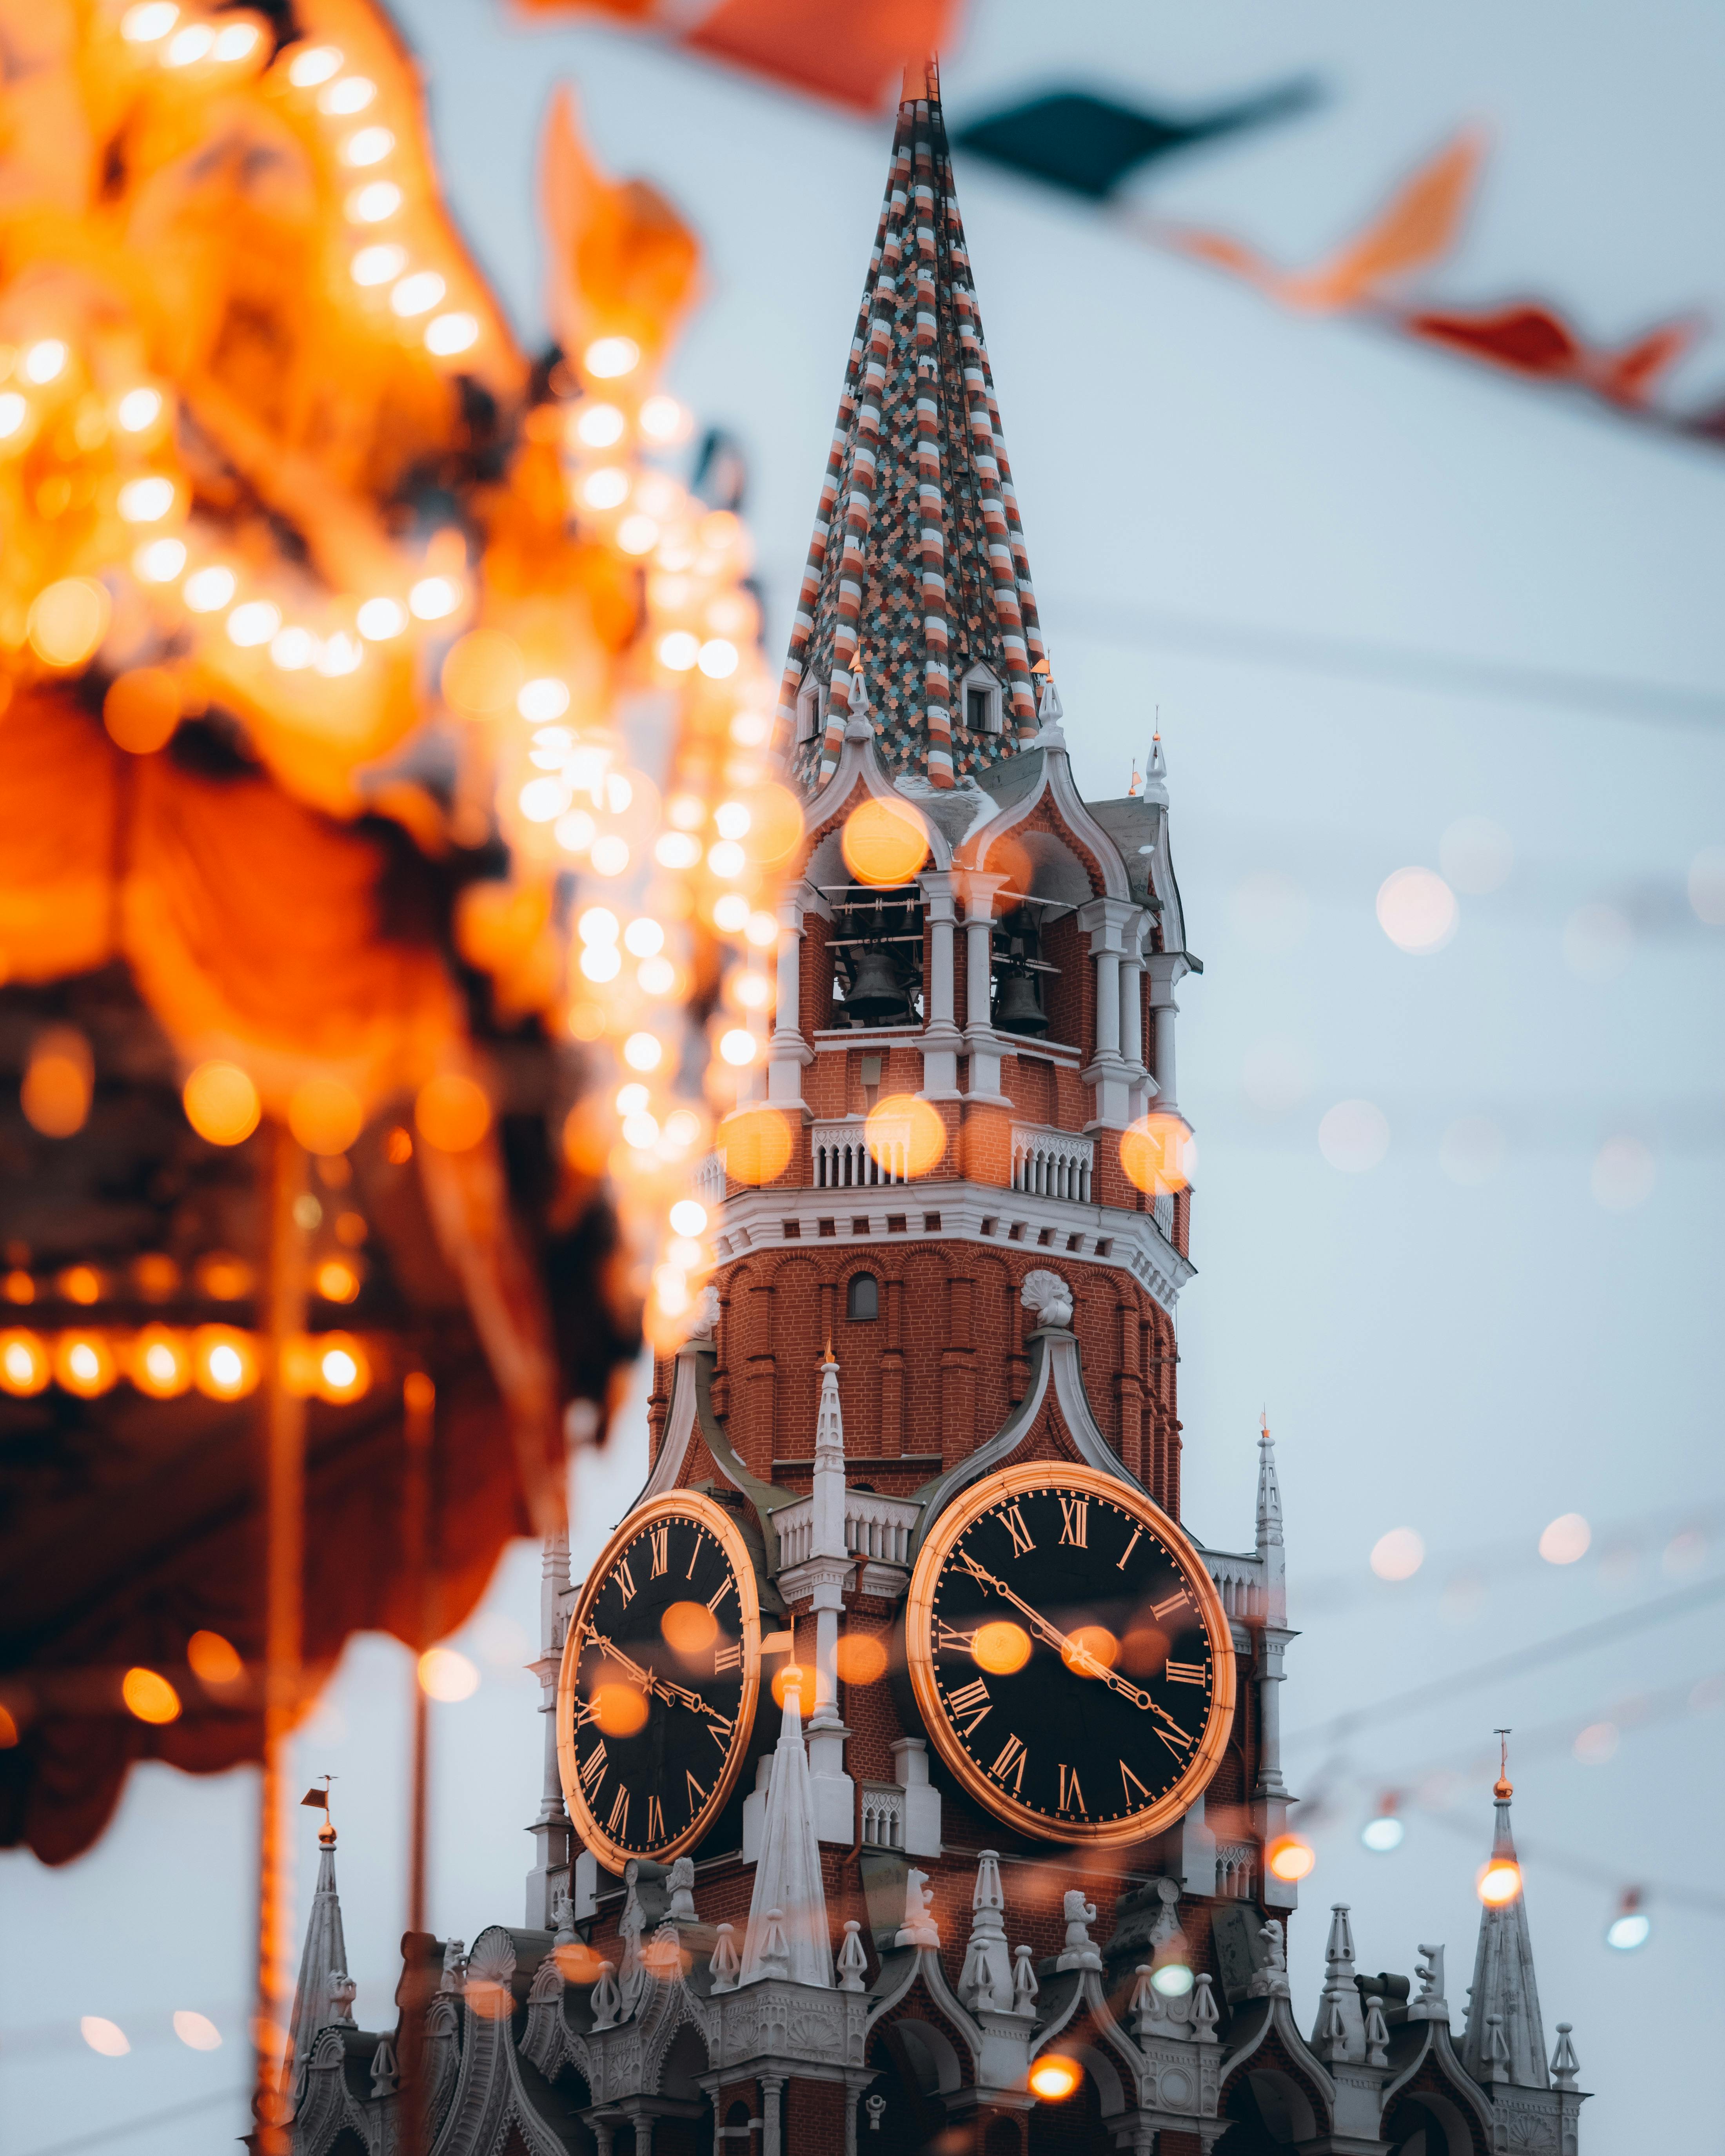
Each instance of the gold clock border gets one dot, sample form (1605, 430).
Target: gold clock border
(674, 1505)
(1042, 1475)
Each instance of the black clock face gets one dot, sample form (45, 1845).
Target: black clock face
(657, 1686)
(1071, 1654)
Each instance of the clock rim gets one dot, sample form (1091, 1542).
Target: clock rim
(964, 1510)
(680, 1504)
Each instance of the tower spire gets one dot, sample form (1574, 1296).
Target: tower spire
(786, 1934)
(918, 570)
(324, 1991)
(1505, 2037)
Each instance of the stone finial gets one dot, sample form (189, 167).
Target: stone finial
(682, 1910)
(386, 2074)
(1271, 1980)
(343, 1991)
(1048, 1297)
(1148, 2006)
(853, 1957)
(1564, 2064)
(1430, 2005)
(1497, 2050)
(1080, 1951)
(1341, 2020)
(775, 1947)
(725, 1964)
(1024, 1986)
(986, 1980)
(1270, 1529)
(1377, 2033)
(606, 1999)
(562, 1914)
(1205, 2012)
(704, 1317)
(919, 1928)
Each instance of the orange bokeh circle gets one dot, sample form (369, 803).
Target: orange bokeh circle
(1158, 1154)
(905, 1135)
(1001, 1647)
(884, 842)
(619, 1710)
(483, 673)
(1087, 1646)
(325, 1116)
(452, 1112)
(1289, 1858)
(756, 1144)
(142, 710)
(222, 1103)
(690, 1629)
(860, 1659)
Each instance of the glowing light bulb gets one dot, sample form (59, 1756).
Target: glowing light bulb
(160, 561)
(688, 1217)
(638, 535)
(379, 619)
(149, 23)
(643, 1051)
(138, 409)
(434, 599)
(187, 46)
(13, 411)
(726, 859)
(352, 94)
(678, 651)
(542, 700)
(1055, 2079)
(367, 146)
(607, 488)
(146, 501)
(417, 294)
(1290, 1857)
(315, 64)
(207, 591)
(731, 819)
(1500, 1882)
(45, 360)
(662, 418)
(445, 334)
(599, 425)
(341, 654)
(294, 649)
(737, 1046)
(377, 265)
(253, 623)
(718, 659)
(236, 42)
(644, 937)
(607, 359)
(676, 849)
(632, 1099)
(373, 202)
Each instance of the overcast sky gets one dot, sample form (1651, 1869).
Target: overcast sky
(1283, 532)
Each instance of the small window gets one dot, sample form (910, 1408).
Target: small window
(808, 701)
(862, 1298)
(982, 701)
(977, 713)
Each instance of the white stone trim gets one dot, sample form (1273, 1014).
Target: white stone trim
(1051, 1163)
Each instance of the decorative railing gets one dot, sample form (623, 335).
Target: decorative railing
(883, 1815)
(1163, 1209)
(708, 1184)
(1239, 1580)
(877, 1529)
(1051, 1163)
(844, 1160)
(1236, 1862)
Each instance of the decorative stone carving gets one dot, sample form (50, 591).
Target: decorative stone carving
(726, 1964)
(385, 2075)
(606, 1999)
(1024, 1986)
(986, 1979)
(1430, 2005)
(1377, 2033)
(1564, 2064)
(454, 1975)
(1271, 1980)
(682, 1908)
(1205, 2012)
(919, 1928)
(343, 1991)
(703, 1318)
(1048, 1296)
(853, 1957)
(1081, 1950)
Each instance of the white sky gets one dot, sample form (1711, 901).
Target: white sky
(1467, 1361)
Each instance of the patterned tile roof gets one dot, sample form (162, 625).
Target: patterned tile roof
(917, 570)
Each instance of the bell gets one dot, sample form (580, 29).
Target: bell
(1017, 1009)
(874, 997)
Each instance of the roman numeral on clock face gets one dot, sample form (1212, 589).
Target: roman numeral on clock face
(1176, 1739)
(592, 1768)
(945, 1637)
(625, 1580)
(655, 1819)
(1136, 1793)
(1161, 1609)
(1071, 1796)
(1074, 1521)
(618, 1821)
(1137, 1536)
(697, 1796)
(969, 1705)
(660, 1537)
(1185, 1673)
(1008, 1769)
(727, 1658)
(1013, 1520)
(718, 1595)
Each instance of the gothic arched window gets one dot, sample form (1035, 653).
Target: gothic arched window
(862, 1298)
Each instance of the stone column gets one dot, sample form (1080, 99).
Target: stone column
(772, 2088)
(554, 1835)
(787, 1051)
(1106, 922)
(980, 1038)
(941, 1038)
(1165, 970)
(1132, 1024)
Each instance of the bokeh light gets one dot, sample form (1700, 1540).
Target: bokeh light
(214, 1660)
(905, 1135)
(447, 1675)
(1499, 1882)
(150, 1697)
(1354, 1136)
(1568, 1538)
(1090, 1650)
(160, 1362)
(1000, 1647)
(756, 1143)
(102, 2036)
(1291, 1858)
(1054, 2077)
(619, 1710)
(453, 1112)
(1399, 1554)
(196, 2030)
(224, 1363)
(325, 1116)
(690, 1629)
(1158, 1154)
(58, 1080)
(1417, 910)
(222, 1103)
(860, 1659)
(884, 842)
(25, 1366)
(142, 710)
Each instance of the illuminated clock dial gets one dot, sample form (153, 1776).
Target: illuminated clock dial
(1069, 1655)
(660, 1669)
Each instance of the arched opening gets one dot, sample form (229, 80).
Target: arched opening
(901, 2112)
(347, 2142)
(1075, 2122)
(862, 1298)
(1428, 2125)
(1270, 2111)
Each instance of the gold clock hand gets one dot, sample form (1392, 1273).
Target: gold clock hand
(655, 1683)
(1077, 1656)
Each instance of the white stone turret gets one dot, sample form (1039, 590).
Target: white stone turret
(1504, 2038)
(1340, 2031)
(786, 1934)
(323, 1966)
(553, 1892)
(1270, 1794)
(986, 1979)
(822, 1577)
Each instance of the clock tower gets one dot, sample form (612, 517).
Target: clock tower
(913, 1766)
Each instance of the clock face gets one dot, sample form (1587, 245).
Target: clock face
(656, 1695)
(1069, 1655)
